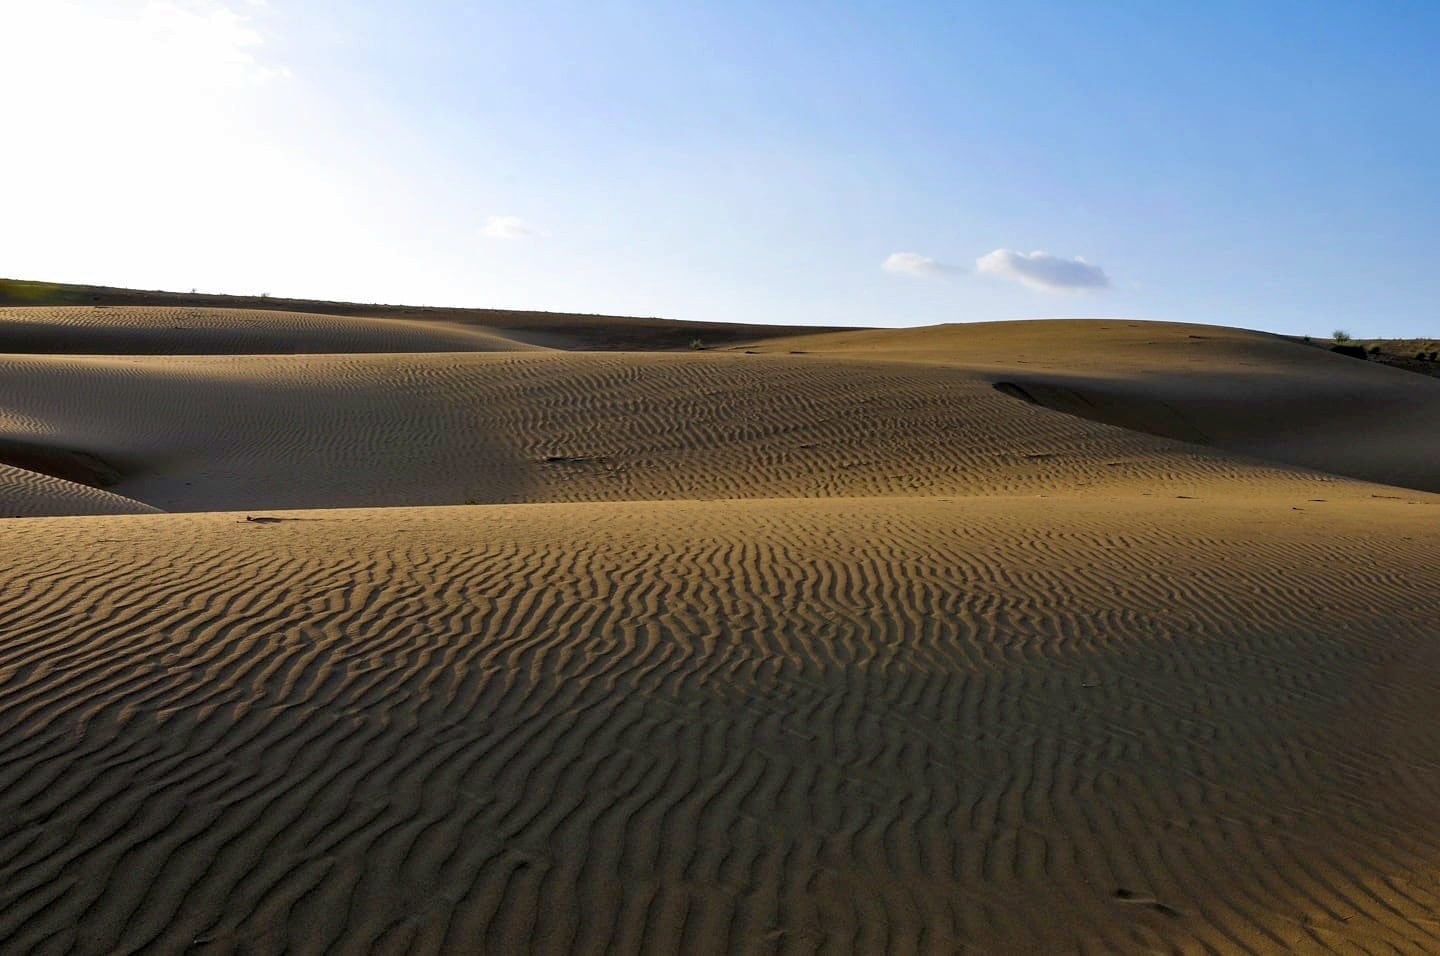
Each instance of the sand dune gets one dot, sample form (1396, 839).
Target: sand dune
(548, 329)
(1249, 392)
(846, 650)
(25, 494)
(199, 434)
(120, 330)
(220, 433)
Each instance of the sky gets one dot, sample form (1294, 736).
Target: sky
(1263, 164)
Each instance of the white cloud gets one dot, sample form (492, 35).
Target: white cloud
(1040, 270)
(507, 227)
(914, 264)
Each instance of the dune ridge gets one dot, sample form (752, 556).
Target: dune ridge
(1020, 637)
(119, 330)
(414, 429)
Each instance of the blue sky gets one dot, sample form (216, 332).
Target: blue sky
(1266, 164)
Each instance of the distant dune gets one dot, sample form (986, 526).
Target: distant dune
(1014, 637)
(123, 330)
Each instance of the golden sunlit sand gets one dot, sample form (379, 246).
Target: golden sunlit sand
(460, 636)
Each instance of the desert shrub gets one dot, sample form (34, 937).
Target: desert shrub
(1340, 335)
(696, 344)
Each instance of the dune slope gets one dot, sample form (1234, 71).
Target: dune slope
(25, 493)
(1013, 725)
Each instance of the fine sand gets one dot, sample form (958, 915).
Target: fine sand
(1097, 637)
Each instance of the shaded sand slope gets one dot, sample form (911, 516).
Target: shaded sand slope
(1250, 392)
(198, 331)
(238, 432)
(1097, 724)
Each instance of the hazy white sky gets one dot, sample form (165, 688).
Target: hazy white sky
(852, 163)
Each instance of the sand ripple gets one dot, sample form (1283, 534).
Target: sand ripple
(765, 726)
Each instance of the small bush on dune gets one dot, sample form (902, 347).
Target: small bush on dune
(1340, 335)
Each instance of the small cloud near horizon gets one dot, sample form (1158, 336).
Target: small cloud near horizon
(507, 227)
(1042, 271)
(914, 264)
